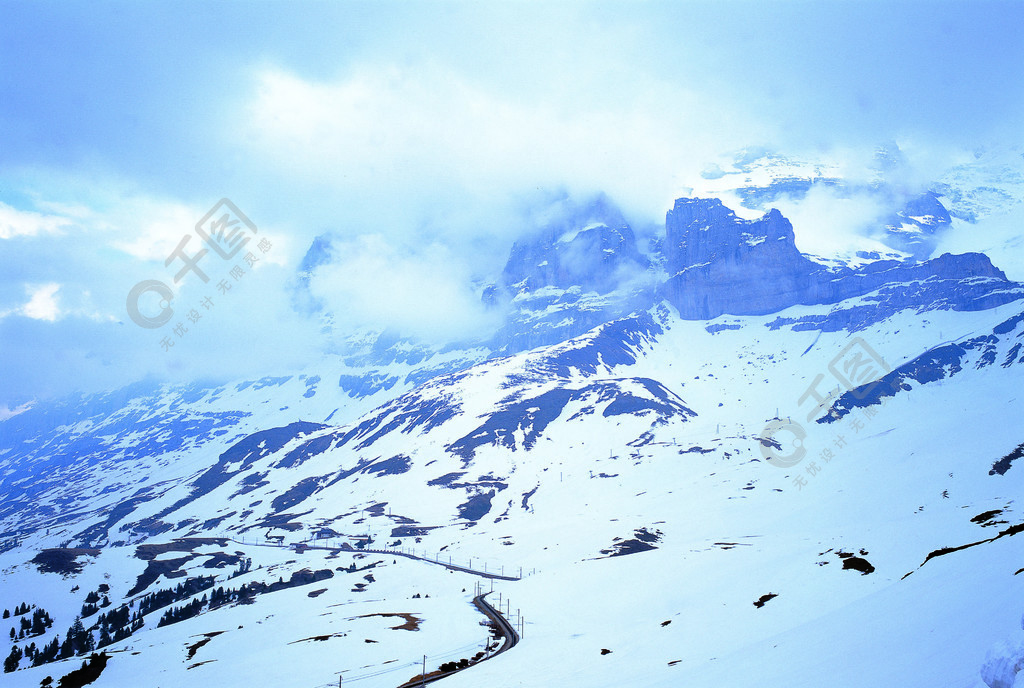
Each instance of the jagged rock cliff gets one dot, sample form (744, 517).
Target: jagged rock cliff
(590, 246)
(719, 263)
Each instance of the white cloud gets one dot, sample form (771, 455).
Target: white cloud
(42, 303)
(148, 229)
(998, 236)
(63, 295)
(14, 222)
(425, 137)
(835, 224)
(423, 291)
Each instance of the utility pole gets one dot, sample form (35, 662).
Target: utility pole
(423, 676)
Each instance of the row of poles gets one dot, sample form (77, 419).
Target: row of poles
(504, 606)
(407, 551)
(519, 623)
(412, 553)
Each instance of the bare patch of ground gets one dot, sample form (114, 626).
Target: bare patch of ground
(411, 622)
(62, 560)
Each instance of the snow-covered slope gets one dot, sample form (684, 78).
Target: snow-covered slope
(819, 495)
(644, 440)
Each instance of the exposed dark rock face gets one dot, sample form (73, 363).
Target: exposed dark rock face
(719, 263)
(590, 246)
(917, 227)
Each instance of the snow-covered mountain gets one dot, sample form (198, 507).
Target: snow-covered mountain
(728, 463)
(908, 215)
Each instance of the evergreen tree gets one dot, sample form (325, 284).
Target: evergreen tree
(13, 659)
(7, 613)
(48, 653)
(74, 641)
(79, 638)
(89, 672)
(66, 650)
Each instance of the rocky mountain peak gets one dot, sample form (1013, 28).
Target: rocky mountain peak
(719, 263)
(917, 227)
(589, 245)
(700, 230)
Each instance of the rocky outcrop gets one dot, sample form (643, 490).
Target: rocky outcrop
(719, 263)
(589, 246)
(581, 268)
(917, 227)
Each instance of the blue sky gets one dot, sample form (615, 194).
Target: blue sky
(417, 132)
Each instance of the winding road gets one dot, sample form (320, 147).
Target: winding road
(504, 627)
(507, 631)
(301, 546)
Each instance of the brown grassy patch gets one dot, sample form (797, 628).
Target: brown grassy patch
(411, 622)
